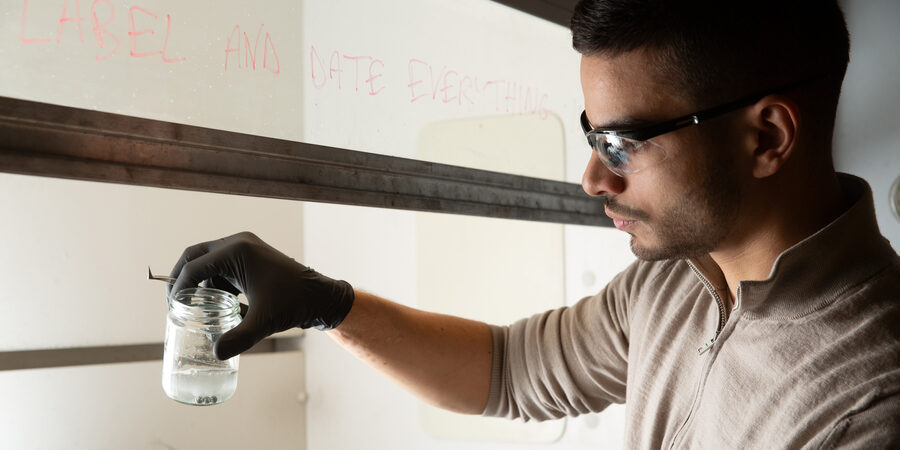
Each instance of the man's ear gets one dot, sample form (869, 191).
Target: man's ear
(776, 122)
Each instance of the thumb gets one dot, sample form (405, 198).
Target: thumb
(239, 339)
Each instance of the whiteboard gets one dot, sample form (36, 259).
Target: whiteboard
(359, 75)
(437, 61)
(185, 62)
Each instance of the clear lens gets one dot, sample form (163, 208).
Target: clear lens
(624, 156)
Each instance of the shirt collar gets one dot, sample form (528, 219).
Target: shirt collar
(818, 269)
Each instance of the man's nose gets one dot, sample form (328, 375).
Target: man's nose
(598, 180)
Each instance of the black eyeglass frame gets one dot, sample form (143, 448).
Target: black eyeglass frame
(651, 131)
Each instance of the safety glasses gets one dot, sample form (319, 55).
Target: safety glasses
(627, 151)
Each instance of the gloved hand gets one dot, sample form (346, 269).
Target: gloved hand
(282, 293)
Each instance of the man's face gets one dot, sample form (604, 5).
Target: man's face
(681, 207)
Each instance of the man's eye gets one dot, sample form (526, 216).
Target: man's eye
(620, 149)
(617, 155)
(635, 147)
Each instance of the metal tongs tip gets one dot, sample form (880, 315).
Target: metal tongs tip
(158, 277)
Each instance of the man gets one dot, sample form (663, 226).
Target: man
(763, 309)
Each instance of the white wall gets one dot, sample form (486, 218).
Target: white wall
(867, 137)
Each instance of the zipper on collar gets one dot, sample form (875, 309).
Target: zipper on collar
(705, 347)
(723, 318)
(723, 313)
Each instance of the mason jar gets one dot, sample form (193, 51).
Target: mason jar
(191, 373)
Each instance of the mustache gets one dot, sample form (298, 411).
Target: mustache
(618, 209)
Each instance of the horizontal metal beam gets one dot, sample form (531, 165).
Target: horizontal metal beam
(556, 11)
(58, 141)
(82, 356)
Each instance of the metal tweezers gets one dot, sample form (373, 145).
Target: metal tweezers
(159, 277)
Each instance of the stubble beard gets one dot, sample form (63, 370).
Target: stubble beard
(699, 223)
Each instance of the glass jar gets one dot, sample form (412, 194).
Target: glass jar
(191, 373)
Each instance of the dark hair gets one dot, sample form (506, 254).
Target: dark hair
(717, 50)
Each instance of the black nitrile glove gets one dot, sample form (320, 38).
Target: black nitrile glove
(282, 292)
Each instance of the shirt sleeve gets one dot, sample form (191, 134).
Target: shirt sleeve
(873, 427)
(563, 362)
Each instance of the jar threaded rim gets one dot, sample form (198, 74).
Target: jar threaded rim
(203, 303)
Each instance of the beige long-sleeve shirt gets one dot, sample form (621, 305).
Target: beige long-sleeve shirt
(808, 358)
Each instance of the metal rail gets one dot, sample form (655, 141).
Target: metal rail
(82, 356)
(58, 141)
(556, 11)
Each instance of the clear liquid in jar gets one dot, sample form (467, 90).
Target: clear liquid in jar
(201, 386)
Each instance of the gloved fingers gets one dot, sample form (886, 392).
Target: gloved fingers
(224, 280)
(197, 250)
(206, 266)
(221, 283)
(240, 338)
(189, 254)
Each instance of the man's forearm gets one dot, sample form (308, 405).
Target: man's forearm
(444, 360)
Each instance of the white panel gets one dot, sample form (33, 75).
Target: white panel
(122, 406)
(493, 270)
(75, 255)
(594, 255)
(373, 249)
